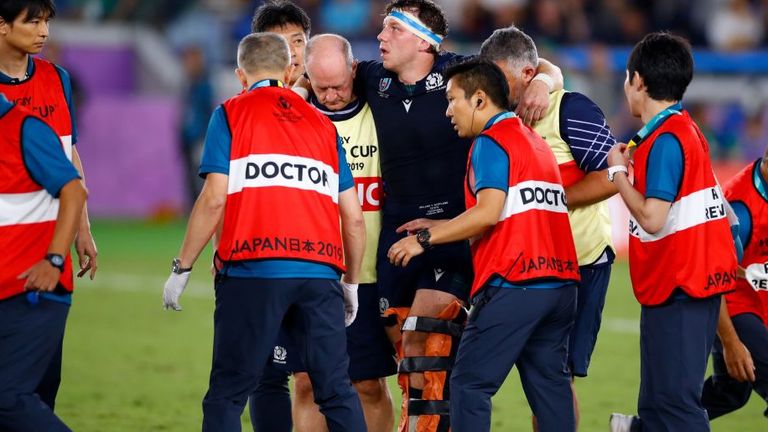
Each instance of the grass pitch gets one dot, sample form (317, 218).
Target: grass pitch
(130, 366)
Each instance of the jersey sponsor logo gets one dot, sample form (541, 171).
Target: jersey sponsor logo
(384, 84)
(434, 81)
(279, 355)
(369, 193)
(279, 170)
(697, 208)
(534, 195)
(407, 104)
(433, 208)
(438, 274)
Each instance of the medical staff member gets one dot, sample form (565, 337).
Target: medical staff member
(576, 131)
(41, 200)
(270, 160)
(681, 254)
(740, 356)
(45, 89)
(526, 270)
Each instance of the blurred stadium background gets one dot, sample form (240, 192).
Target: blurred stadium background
(146, 75)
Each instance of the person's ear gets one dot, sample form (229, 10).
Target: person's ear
(637, 81)
(528, 73)
(240, 74)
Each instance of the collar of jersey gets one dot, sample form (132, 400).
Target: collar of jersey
(267, 83)
(499, 117)
(346, 113)
(761, 183)
(5, 79)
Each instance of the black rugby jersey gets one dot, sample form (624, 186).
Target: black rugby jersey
(423, 160)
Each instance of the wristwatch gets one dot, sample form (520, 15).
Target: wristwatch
(56, 260)
(176, 267)
(616, 169)
(423, 237)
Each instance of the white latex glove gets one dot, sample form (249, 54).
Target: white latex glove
(757, 276)
(350, 302)
(173, 288)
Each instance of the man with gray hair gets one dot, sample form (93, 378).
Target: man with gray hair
(576, 131)
(331, 69)
(269, 160)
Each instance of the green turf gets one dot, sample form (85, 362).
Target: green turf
(130, 366)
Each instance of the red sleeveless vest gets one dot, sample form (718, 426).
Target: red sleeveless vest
(43, 95)
(694, 250)
(532, 239)
(27, 212)
(742, 188)
(282, 200)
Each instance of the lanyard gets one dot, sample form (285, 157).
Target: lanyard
(650, 126)
(267, 83)
(759, 182)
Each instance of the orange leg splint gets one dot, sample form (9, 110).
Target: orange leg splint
(431, 412)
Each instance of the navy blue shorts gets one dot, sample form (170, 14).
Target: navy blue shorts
(371, 355)
(589, 311)
(446, 268)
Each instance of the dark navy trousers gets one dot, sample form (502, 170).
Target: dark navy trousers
(723, 394)
(30, 335)
(675, 341)
(507, 327)
(248, 316)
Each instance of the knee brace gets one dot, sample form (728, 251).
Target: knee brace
(429, 411)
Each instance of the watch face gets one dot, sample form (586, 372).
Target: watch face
(176, 265)
(57, 260)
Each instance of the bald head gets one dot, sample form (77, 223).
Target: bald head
(331, 70)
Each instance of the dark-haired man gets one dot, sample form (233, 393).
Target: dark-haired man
(681, 254)
(524, 293)
(290, 21)
(423, 164)
(44, 89)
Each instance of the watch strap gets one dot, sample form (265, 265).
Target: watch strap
(56, 260)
